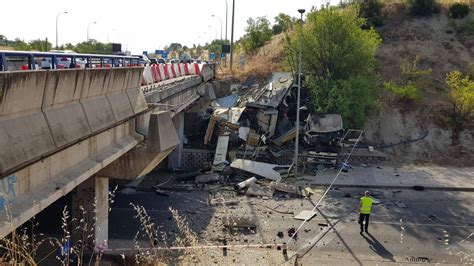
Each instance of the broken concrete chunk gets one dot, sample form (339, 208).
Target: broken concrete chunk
(400, 204)
(245, 183)
(258, 190)
(307, 192)
(262, 169)
(206, 178)
(305, 215)
(285, 188)
(239, 222)
(222, 201)
(221, 150)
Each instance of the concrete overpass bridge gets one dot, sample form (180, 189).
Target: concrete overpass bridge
(71, 130)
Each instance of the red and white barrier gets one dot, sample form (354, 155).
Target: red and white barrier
(159, 72)
(186, 69)
(166, 69)
(147, 75)
(155, 73)
(181, 70)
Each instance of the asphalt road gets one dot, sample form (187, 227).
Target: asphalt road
(434, 227)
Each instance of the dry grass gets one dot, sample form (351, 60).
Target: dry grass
(266, 60)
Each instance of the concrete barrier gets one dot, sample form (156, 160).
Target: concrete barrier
(166, 70)
(161, 140)
(173, 71)
(206, 72)
(147, 76)
(44, 111)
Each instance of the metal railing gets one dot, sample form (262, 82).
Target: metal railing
(30, 60)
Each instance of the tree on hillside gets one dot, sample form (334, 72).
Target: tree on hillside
(93, 47)
(338, 61)
(258, 33)
(462, 102)
(282, 23)
(21, 45)
(174, 46)
(41, 45)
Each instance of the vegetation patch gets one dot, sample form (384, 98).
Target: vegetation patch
(458, 10)
(338, 62)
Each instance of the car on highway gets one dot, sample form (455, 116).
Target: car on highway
(161, 61)
(144, 58)
(63, 61)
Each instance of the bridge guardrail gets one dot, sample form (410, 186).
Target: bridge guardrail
(31, 60)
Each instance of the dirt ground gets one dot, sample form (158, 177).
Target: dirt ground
(407, 223)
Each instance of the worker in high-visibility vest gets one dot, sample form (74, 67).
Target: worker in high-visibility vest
(365, 210)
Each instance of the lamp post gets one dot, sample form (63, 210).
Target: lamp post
(301, 11)
(57, 17)
(113, 30)
(214, 16)
(232, 35)
(88, 26)
(226, 11)
(215, 31)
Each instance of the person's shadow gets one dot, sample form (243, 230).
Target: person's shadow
(378, 248)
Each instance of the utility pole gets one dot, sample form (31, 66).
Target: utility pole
(220, 20)
(88, 26)
(301, 11)
(226, 11)
(232, 36)
(57, 17)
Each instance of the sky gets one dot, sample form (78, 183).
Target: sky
(140, 25)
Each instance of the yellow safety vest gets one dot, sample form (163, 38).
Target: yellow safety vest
(366, 207)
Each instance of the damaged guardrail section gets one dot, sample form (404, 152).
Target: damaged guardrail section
(43, 111)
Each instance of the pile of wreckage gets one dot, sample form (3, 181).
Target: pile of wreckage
(253, 129)
(252, 132)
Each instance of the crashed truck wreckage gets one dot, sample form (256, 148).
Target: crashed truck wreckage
(256, 123)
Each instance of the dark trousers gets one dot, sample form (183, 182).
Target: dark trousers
(361, 221)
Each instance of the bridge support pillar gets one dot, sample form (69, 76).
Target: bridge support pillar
(90, 202)
(102, 212)
(175, 158)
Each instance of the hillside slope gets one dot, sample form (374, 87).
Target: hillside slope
(440, 49)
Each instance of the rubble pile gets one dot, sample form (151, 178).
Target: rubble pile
(256, 124)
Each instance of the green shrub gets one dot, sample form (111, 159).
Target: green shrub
(422, 7)
(458, 10)
(413, 80)
(372, 11)
(407, 92)
(465, 25)
(339, 62)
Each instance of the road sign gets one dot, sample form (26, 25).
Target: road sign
(164, 54)
(226, 48)
(159, 52)
(212, 56)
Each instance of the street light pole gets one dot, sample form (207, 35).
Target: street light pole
(57, 17)
(221, 23)
(226, 11)
(301, 11)
(113, 30)
(88, 26)
(232, 35)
